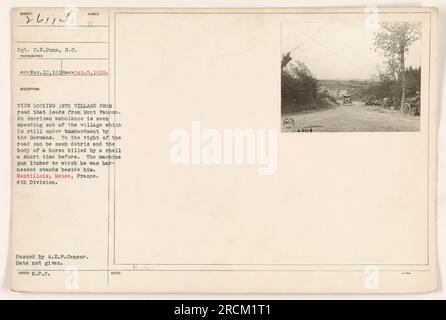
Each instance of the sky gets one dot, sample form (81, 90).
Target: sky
(338, 50)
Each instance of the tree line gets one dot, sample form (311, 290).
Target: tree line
(396, 82)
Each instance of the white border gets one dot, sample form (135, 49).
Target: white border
(6, 5)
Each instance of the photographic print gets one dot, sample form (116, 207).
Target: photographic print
(349, 77)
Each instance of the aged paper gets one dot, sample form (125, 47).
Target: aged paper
(224, 150)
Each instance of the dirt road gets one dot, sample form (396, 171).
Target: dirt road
(356, 117)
